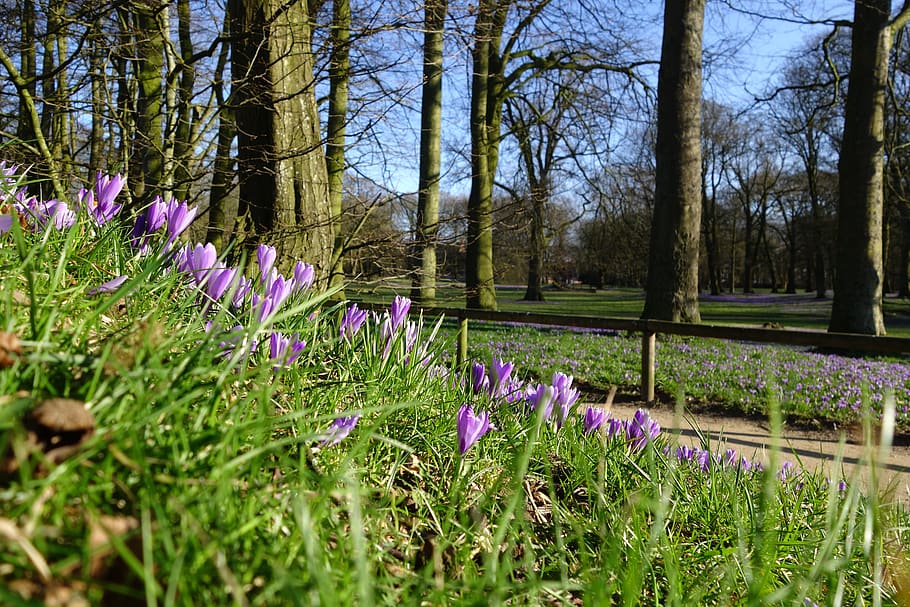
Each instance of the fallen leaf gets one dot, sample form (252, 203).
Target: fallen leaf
(60, 422)
(9, 346)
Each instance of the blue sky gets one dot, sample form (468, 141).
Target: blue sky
(750, 43)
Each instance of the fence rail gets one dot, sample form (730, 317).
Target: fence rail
(650, 328)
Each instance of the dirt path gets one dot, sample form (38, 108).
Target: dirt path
(815, 449)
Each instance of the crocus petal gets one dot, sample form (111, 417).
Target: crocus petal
(470, 427)
(304, 275)
(399, 310)
(108, 287)
(339, 429)
(594, 419)
(265, 255)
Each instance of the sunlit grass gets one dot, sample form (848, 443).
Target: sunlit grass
(210, 477)
(802, 310)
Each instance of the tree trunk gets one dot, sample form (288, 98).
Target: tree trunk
(222, 173)
(339, 70)
(818, 247)
(281, 163)
(97, 160)
(28, 67)
(672, 291)
(183, 143)
(537, 242)
(479, 287)
(903, 288)
(709, 227)
(148, 145)
(748, 253)
(857, 306)
(424, 285)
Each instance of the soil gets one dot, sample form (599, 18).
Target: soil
(838, 451)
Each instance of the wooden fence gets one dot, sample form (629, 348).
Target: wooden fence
(650, 328)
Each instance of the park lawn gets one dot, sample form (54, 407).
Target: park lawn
(802, 310)
(272, 447)
(717, 375)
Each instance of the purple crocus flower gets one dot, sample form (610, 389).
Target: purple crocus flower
(41, 213)
(684, 453)
(594, 419)
(147, 223)
(786, 472)
(339, 429)
(351, 322)
(616, 427)
(642, 429)
(9, 179)
(565, 396)
(60, 213)
(500, 371)
(234, 339)
(244, 286)
(219, 280)
(285, 349)
(411, 331)
(304, 275)
(479, 380)
(108, 287)
(398, 311)
(278, 290)
(101, 206)
(108, 188)
(179, 216)
(198, 261)
(470, 427)
(265, 255)
(703, 458)
(6, 223)
(541, 397)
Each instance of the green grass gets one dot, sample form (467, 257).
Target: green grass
(216, 468)
(793, 311)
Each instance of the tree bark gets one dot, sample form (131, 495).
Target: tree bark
(28, 67)
(424, 285)
(148, 145)
(283, 184)
(183, 137)
(537, 242)
(857, 305)
(479, 286)
(222, 173)
(339, 70)
(672, 287)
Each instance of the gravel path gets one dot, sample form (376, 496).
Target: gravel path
(808, 448)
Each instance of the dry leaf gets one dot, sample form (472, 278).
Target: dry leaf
(104, 556)
(57, 427)
(60, 422)
(9, 346)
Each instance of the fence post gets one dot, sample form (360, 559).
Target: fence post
(648, 348)
(462, 354)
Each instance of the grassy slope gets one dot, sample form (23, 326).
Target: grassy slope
(213, 465)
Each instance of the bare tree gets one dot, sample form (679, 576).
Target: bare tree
(283, 183)
(427, 228)
(672, 291)
(857, 306)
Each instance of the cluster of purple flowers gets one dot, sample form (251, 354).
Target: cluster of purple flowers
(174, 217)
(730, 459)
(498, 384)
(36, 215)
(638, 431)
(559, 397)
